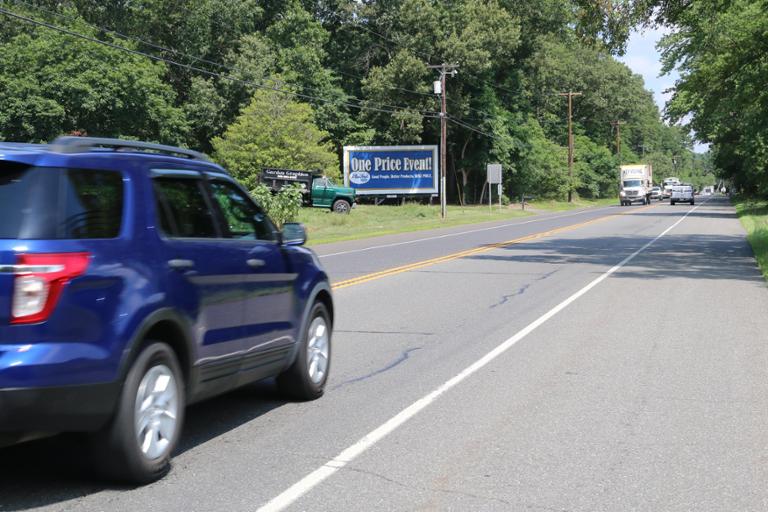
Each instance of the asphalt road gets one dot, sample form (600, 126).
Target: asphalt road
(596, 366)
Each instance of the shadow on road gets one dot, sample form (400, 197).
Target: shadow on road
(689, 256)
(55, 470)
(681, 256)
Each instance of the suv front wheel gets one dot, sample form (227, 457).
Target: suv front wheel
(341, 206)
(306, 378)
(136, 445)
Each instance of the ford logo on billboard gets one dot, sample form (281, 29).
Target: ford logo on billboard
(359, 177)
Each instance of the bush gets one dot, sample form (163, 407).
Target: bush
(281, 207)
(274, 131)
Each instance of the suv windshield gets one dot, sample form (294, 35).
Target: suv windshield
(632, 183)
(52, 203)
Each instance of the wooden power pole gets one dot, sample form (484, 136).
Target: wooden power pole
(617, 124)
(445, 69)
(570, 96)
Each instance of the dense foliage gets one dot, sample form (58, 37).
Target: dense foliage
(720, 49)
(289, 83)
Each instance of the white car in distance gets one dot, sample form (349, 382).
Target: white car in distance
(682, 193)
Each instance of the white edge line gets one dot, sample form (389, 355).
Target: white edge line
(312, 480)
(448, 235)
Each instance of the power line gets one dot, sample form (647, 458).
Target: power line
(235, 69)
(472, 128)
(385, 38)
(194, 57)
(201, 59)
(423, 55)
(393, 87)
(424, 113)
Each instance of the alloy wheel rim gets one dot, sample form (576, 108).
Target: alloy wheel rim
(317, 350)
(156, 412)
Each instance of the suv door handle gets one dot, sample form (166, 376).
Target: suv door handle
(256, 263)
(181, 264)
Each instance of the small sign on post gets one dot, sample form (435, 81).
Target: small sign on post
(494, 173)
(494, 178)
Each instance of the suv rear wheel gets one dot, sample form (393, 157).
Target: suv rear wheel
(306, 378)
(136, 445)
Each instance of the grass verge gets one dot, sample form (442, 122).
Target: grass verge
(753, 214)
(369, 221)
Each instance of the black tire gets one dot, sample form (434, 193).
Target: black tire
(671, 202)
(692, 202)
(341, 206)
(296, 383)
(116, 448)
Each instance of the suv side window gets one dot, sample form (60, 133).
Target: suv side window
(242, 218)
(92, 204)
(182, 208)
(47, 203)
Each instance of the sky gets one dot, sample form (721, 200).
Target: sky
(643, 58)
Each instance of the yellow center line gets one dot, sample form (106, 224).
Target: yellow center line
(470, 252)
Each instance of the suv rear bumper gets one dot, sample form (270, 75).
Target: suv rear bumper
(57, 409)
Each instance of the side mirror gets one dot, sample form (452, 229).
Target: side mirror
(294, 234)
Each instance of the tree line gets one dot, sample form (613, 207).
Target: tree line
(288, 83)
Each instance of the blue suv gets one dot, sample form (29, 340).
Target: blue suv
(136, 279)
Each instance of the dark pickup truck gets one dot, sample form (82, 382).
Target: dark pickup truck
(318, 191)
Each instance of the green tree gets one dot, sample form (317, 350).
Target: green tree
(274, 131)
(719, 49)
(51, 84)
(595, 168)
(299, 42)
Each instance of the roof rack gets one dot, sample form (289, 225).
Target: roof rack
(21, 146)
(82, 144)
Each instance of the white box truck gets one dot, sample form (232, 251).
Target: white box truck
(668, 184)
(636, 183)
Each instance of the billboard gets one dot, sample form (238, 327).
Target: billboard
(381, 170)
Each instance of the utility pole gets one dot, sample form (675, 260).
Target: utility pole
(617, 124)
(570, 96)
(445, 69)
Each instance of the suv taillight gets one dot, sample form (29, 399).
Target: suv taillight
(39, 281)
